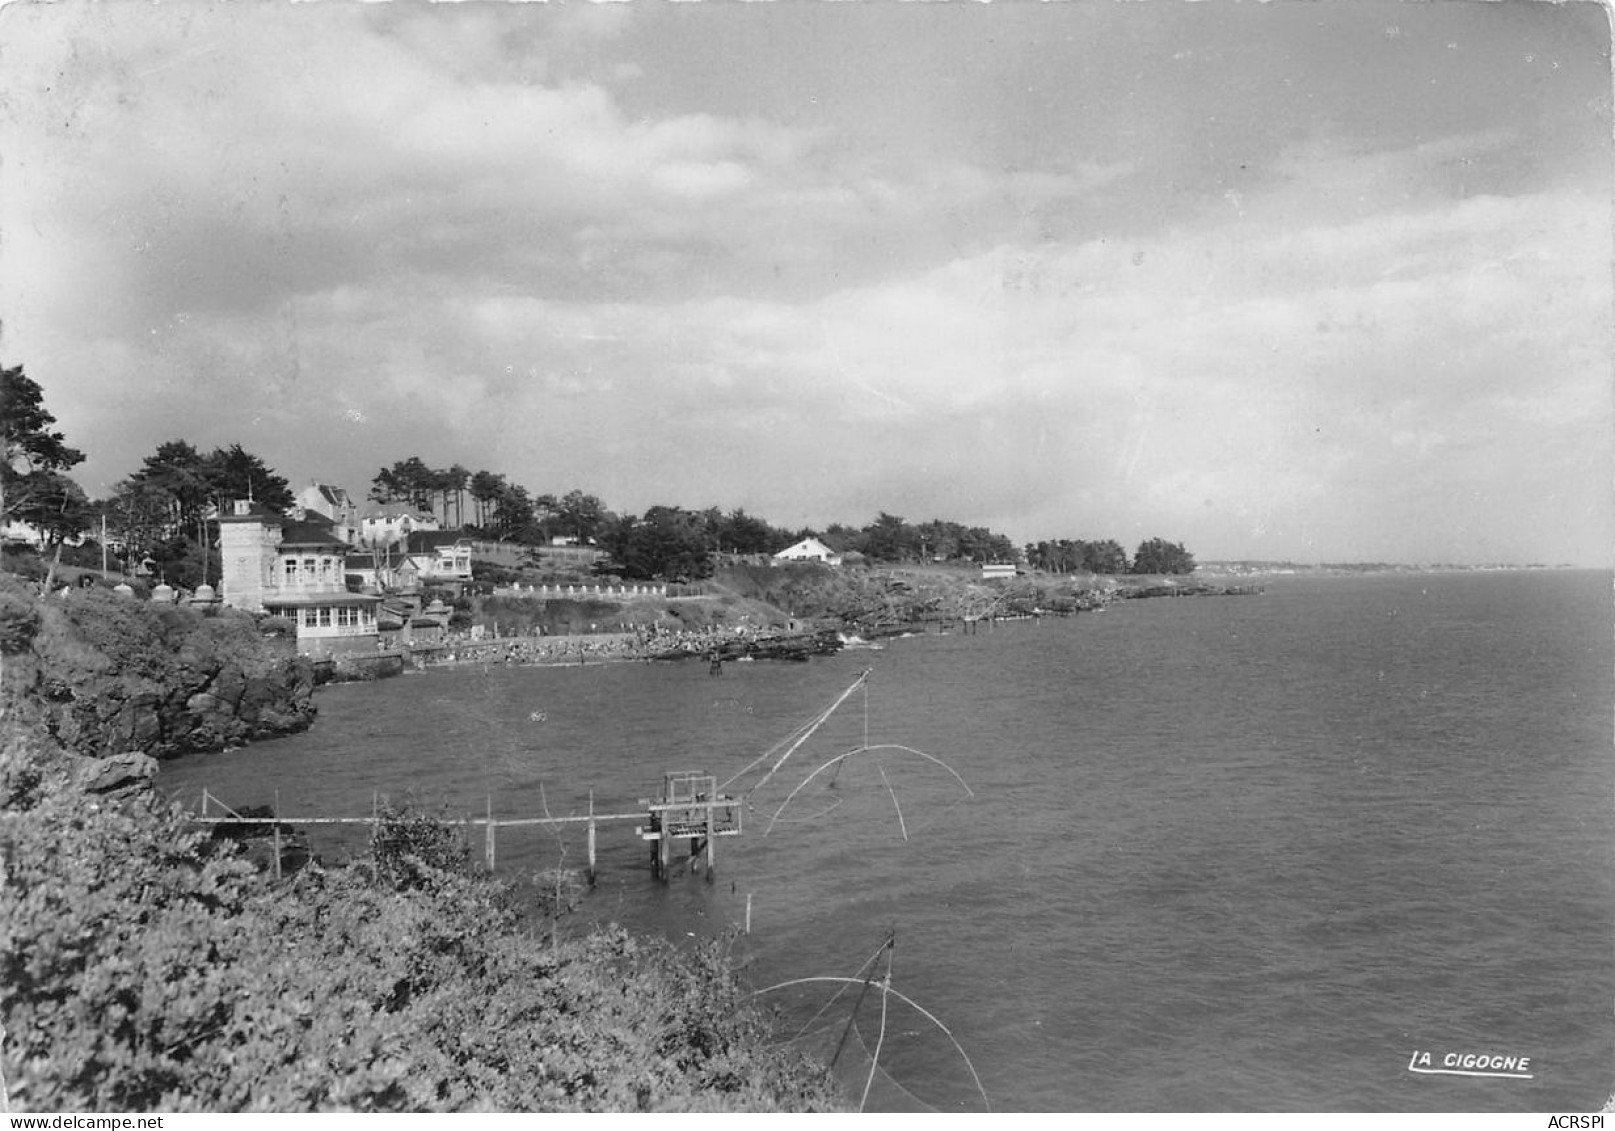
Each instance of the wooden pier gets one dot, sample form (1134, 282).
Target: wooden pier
(689, 809)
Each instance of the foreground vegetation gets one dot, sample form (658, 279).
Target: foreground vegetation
(147, 966)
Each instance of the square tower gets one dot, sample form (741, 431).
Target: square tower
(249, 537)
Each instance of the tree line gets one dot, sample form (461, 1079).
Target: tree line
(1155, 555)
(500, 509)
(160, 512)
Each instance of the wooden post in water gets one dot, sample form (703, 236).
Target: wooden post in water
(748, 912)
(712, 837)
(277, 834)
(591, 838)
(490, 847)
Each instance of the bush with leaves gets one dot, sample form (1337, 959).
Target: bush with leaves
(409, 849)
(19, 617)
(146, 967)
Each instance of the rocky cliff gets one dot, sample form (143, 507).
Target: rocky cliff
(111, 676)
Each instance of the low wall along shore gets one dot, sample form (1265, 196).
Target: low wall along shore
(647, 591)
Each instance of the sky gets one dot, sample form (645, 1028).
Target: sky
(1316, 280)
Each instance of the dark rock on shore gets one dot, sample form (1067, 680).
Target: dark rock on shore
(112, 676)
(219, 705)
(1192, 589)
(793, 646)
(118, 775)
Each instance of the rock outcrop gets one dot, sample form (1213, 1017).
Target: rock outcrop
(208, 708)
(111, 677)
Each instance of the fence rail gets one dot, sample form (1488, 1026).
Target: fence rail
(645, 591)
(655, 824)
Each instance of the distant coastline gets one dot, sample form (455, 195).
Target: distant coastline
(1258, 568)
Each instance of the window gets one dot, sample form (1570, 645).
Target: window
(291, 571)
(325, 618)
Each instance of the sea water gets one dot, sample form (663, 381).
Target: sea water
(1243, 853)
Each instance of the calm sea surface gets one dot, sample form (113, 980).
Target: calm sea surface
(1223, 853)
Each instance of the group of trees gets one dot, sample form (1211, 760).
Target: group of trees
(169, 498)
(891, 538)
(1075, 556)
(159, 512)
(1068, 555)
(1160, 556)
(671, 543)
(34, 485)
(501, 510)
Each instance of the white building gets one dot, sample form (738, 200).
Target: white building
(440, 556)
(295, 569)
(335, 504)
(388, 524)
(809, 550)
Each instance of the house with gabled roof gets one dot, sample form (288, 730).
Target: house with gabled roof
(439, 556)
(808, 550)
(335, 504)
(294, 567)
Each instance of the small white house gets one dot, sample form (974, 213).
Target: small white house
(389, 524)
(809, 550)
(440, 556)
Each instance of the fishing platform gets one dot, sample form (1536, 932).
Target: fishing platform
(690, 809)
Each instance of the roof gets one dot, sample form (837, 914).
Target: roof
(396, 510)
(806, 546)
(250, 510)
(314, 600)
(313, 529)
(420, 541)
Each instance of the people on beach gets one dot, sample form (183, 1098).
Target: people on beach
(637, 643)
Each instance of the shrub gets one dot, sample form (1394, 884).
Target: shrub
(412, 850)
(19, 618)
(147, 966)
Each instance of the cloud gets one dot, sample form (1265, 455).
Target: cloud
(363, 234)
